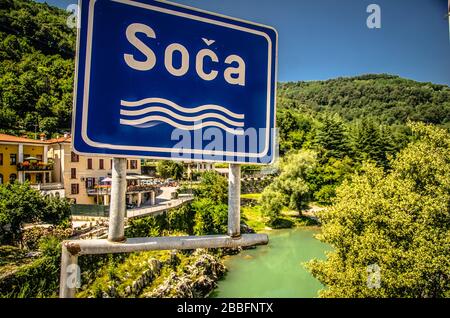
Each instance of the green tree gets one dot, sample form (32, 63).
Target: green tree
(331, 137)
(328, 176)
(398, 221)
(291, 188)
(272, 202)
(210, 217)
(21, 204)
(372, 141)
(170, 169)
(212, 186)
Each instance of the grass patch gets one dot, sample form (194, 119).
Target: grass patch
(253, 217)
(282, 223)
(12, 259)
(251, 196)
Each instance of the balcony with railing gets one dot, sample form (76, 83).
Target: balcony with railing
(48, 186)
(34, 166)
(141, 188)
(106, 189)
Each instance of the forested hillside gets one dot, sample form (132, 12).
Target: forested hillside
(37, 52)
(384, 101)
(389, 99)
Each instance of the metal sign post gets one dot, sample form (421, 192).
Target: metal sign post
(118, 200)
(151, 78)
(234, 201)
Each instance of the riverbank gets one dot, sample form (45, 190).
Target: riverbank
(252, 215)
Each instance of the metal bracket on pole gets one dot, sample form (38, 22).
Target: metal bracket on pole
(234, 201)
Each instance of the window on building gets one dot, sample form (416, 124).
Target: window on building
(73, 173)
(12, 177)
(133, 164)
(101, 164)
(110, 164)
(90, 183)
(1, 159)
(13, 159)
(89, 163)
(27, 155)
(75, 188)
(39, 178)
(39, 157)
(1, 178)
(74, 157)
(27, 177)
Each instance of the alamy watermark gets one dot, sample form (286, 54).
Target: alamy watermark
(73, 20)
(373, 276)
(74, 276)
(213, 144)
(374, 19)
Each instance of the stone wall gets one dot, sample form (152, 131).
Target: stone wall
(255, 184)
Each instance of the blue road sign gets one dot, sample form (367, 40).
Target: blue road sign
(160, 80)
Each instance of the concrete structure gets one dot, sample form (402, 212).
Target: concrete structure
(198, 167)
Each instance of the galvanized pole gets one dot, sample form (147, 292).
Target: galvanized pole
(234, 201)
(69, 274)
(117, 209)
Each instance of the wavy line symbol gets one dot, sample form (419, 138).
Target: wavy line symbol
(160, 110)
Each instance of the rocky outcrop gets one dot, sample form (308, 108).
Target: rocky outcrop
(194, 280)
(197, 280)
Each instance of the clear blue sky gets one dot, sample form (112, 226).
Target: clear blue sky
(321, 39)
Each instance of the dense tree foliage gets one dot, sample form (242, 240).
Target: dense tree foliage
(210, 217)
(36, 68)
(212, 186)
(292, 187)
(20, 204)
(348, 121)
(389, 99)
(170, 169)
(397, 222)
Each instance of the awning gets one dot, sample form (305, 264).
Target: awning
(140, 177)
(106, 180)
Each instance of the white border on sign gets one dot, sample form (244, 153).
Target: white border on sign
(86, 87)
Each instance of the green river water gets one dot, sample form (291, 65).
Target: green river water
(275, 270)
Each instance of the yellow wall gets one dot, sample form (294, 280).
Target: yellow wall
(33, 151)
(6, 169)
(7, 149)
